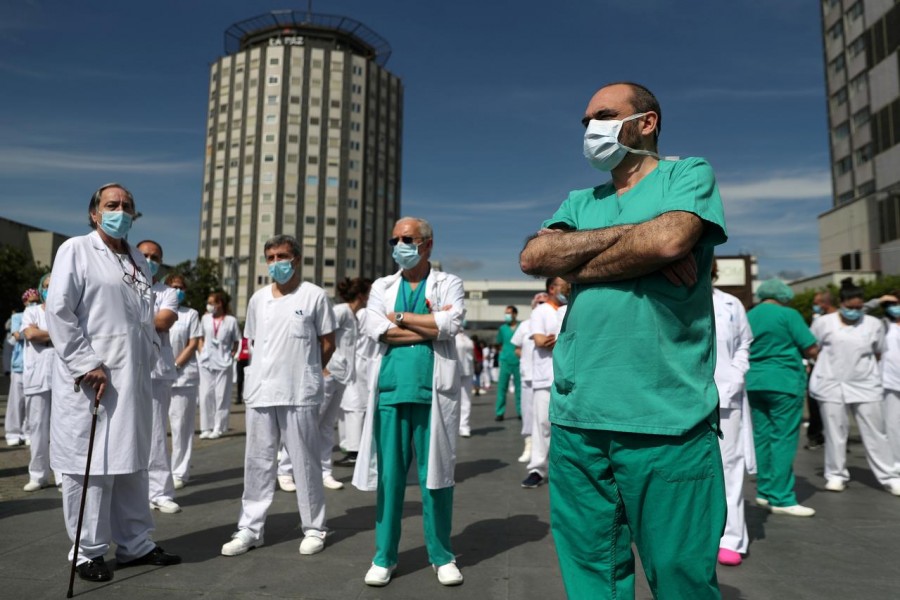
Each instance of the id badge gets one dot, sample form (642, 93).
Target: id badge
(214, 343)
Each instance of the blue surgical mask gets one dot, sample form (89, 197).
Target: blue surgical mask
(406, 255)
(154, 267)
(281, 271)
(817, 309)
(44, 294)
(179, 293)
(601, 143)
(507, 317)
(562, 299)
(116, 224)
(851, 315)
(893, 311)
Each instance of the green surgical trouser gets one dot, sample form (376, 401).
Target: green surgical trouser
(776, 420)
(506, 371)
(399, 430)
(665, 493)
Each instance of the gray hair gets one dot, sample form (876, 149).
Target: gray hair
(95, 200)
(281, 240)
(425, 229)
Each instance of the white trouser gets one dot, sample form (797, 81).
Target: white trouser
(215, 399)
(465, 404)
(870, 419)
(115, 510)
(353, 427)
(284, 462)
(732, 447)
(39, 431)
(540, 432)
(182, 413)
(892, 423)
(297, 427)
(159, 470)
(484, 380)
(16, 415)
(328, 414)
(527, 401)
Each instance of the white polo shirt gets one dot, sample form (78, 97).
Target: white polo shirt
(545, 320)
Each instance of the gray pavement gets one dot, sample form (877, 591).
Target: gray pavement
(501, 535)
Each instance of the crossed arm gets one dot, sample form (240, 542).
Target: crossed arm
(616, 253)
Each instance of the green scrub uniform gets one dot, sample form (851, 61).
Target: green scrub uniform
(509, 367)
(776, 383)
(401, 427)
(634, 406)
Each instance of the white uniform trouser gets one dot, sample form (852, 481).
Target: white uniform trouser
(16, 414)
(870, 419)
(540, 432)
(328, 414)
(892, 423)
(465, 403)
(297, 427)
(215, 399)
(284, 462)
(353, 427)
(115, 510)
(39, 426)
(527, 401)
(731, 445)
(159, 470)
(182, 412)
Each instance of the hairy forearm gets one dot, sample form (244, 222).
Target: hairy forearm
(554, 253)
(397, 336)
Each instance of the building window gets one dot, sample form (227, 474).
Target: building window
(838, 64)
(329, 262)
(861, 118)
(843, 166)
(272, 118)
(864, 154)
(273, 61)
(272, 100)
(332, 182)
(842, 131)
(268, 177)
(857, 46)
(840, 97)
(866, 189)
(312, 180)
(851, 261)
(270, 137)
(309, 260)
(273, 80)
(837, 31)
(855, 12)
(845, 197)
(858, 83)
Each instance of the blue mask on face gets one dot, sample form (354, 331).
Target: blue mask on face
(406, 255)
(180, 295)
(851, 315)
(116, 224)
(44, 294)
(893, 311)
(507, 317)
(281, 271)
(817, 309)
(154, 267)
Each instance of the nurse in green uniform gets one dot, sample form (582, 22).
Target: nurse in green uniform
(509, 363)
(413, 411)
(635, 455)
(776, 386)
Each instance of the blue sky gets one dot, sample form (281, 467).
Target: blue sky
(98, 91)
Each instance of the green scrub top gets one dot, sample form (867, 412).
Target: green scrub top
(638, 355)
(407, 372)
(507, 350)
(780, 336)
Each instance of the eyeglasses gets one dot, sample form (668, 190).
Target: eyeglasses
(131, 279)
(403, 238)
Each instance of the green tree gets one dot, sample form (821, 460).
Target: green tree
(201, 277)
(17, 273)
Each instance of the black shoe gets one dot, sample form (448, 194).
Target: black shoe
(94, 570)
(156, 557)
(498, 418)
(349, 460)
(532, 481)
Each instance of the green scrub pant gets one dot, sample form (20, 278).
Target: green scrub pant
(508, 370)
(399, 430)
(665, 493)
(776, 431)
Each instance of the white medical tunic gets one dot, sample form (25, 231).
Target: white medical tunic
(165, 299)
(847, 369)
(522, 339)
(342, 365)
(545, 320)
(218, 342)
(39, 358)
(733, 339)
(186, 328)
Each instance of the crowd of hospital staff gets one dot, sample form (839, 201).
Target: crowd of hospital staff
(768, 359)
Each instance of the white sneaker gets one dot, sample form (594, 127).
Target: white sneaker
(448, 574)
(793, 511)
(165, 506)
(526, 451)
(331, 483)
(214, 435)
(14, 442)
(465, 433)
(177, 483)
(27, 441)
(204, 435)
(835, 485)
(762, 502)
(379, 576)
(241, 542)
(893, 488)
(286, 483)
(312, 544)
(33, 486)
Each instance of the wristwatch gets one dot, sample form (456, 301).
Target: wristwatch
(398, 318)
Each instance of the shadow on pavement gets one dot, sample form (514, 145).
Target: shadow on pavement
(474, 468)
(731, 593)
(188, 497)
(11, 508)
(865, 477)
(486, 430)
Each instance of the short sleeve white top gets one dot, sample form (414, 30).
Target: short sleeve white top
(186, 328)
(545, 320)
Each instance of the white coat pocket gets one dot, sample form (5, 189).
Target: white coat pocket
(251, 384)
(446, 375)
(112, 349)
(302, 326)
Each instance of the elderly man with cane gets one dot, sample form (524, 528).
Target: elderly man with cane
(100, 319)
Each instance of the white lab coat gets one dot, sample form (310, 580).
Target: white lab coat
(186, 328)
(441, 289)
(357, 393)
(847, 368)
(342, 365)
(37, 374)
(523, 340)
(94, 317)
(165, 298)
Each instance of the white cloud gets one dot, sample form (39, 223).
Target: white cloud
(19, 160)
(786, 187)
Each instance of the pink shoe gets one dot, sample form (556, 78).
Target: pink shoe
(729, 557)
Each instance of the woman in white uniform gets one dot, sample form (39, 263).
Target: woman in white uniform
(890, 368)
(524, 342)
(465, 349)
(185, 338)
(356, 396)
(36, 381)
(100, 319)
(220, 342)
(847, 377)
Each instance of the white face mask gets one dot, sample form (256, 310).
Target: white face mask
(210, 308)
(601, 143)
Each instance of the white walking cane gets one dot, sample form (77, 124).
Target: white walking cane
(87, 472)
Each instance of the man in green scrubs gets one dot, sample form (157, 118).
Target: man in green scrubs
(509, 364)
(634, 409)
